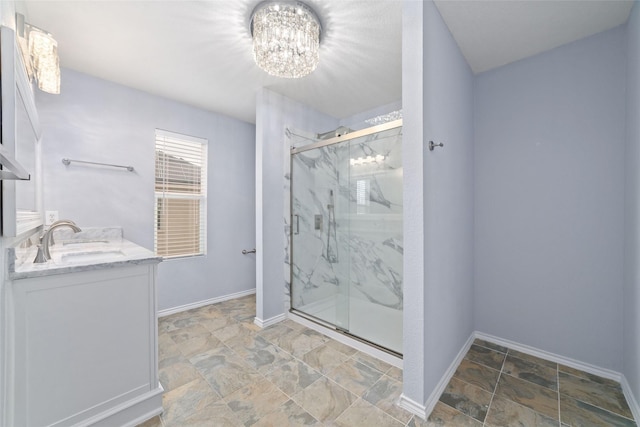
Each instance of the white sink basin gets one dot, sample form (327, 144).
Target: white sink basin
(91, 256)
(84, 242)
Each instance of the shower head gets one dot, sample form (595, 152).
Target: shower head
(342, 130)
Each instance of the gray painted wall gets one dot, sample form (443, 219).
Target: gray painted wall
(631, 338)
(438, 198)
(549, 200)
(448, 198)
(413, 384)
(96, 120)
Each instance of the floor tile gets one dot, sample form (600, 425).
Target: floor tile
(255, 400)
(198, 345)
(293, 376)
(299, 342)
(587, 376)
(342, 348)
(444, 416)
(384, 395)
(208, 312)
(288, 414)
(176, 372)
(175, 322)
(184, 334)
(168, 351)
(532, 372)
(215, 415)
(324, 358)
(364, 414)
(324, 399)
(272, 333)
(533, 396)
(293, 325)
(478, 375)
(216, 323)
(604, 396)
(485, 356)
(466, 398)
(257, 352)
(505, 413)
(490, 345)
(578, 414)
(214, 358)
(533, 359)
(185, 400)
(395, 373)
(224, 371)
(355, 376)
(231, 331)
(372, 361)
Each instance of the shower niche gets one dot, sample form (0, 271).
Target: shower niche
(346, 233)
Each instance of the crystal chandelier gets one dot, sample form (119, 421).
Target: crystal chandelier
(286, 38)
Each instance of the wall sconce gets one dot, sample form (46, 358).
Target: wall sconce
(40, 53)
(366, 160)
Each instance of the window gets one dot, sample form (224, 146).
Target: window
(181, 195)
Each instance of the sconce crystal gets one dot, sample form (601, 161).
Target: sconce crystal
(44, 56)
(40, 54)
(286, 38)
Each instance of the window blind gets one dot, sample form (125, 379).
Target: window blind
(180, 194)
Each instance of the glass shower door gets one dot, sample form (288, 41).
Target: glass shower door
(375, 238)
(319, 260)
(346, 240)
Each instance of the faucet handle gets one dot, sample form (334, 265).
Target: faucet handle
(40, 258)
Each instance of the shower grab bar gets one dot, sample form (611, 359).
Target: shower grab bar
(68, 161)
(297, 224)
(251, 251)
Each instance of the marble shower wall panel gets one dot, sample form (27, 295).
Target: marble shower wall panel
(375, 219)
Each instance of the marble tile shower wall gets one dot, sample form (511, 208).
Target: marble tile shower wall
(360, 239)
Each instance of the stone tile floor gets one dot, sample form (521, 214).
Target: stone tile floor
(218, 369)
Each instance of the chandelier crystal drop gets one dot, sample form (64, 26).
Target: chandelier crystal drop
(286, 38)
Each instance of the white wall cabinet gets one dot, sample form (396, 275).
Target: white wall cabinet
(84, 348)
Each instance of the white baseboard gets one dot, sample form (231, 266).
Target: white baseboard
(131, 413)
(631, 399)
(442, 384)
(572, 363)
(271, 321)
(412, 406)
(198, 304)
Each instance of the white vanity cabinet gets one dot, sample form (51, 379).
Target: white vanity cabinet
(85, 347)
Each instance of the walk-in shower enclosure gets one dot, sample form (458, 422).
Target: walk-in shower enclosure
(346, 233)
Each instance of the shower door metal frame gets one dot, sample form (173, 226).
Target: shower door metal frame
(320, 144)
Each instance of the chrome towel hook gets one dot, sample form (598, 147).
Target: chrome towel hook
(433, 145)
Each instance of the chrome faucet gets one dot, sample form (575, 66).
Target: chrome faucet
(46, 240)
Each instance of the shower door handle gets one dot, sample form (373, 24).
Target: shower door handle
(297, 231)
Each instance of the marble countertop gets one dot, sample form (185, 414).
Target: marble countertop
(88, 250)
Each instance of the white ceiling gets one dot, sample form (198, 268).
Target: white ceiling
(495, 33)
(199, 52)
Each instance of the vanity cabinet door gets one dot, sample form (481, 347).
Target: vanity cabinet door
(85, 343)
